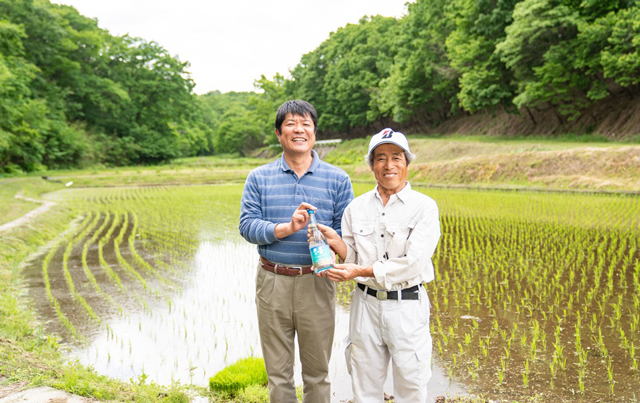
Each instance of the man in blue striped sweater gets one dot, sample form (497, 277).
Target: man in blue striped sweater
(290, 299)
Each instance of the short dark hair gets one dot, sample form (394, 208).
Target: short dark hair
(299, 108)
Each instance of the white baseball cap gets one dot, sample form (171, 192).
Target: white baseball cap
(389, 136)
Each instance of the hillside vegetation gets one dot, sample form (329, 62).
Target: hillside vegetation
(470, 161)
(74, 95)
(521, 164)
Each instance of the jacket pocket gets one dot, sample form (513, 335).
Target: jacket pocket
(364, 238)
(398, 244)
(347, 355)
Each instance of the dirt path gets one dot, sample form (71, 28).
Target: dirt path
(25, 219)
(43, 394)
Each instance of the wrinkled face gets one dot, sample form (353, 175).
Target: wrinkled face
(297, 134)
(390, 167)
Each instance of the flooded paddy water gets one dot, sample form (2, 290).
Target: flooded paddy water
(535, 294)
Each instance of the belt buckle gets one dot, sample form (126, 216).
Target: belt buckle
(299, 268)
(381, 295)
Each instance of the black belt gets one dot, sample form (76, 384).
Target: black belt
(407, 293)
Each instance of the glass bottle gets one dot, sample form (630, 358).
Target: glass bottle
(318, 246)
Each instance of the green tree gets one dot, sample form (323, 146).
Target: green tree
(340, 76)
(537, 51)
(421, 83)
(559, 51)
(38, 113)
(159, 98)
(129, 95)
(620, 56)
(274, 93)
(484, 80)
(238, 132)
(21, 118)
(216, 105)
(308, 76)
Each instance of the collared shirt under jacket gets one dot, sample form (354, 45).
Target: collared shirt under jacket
(398, 239)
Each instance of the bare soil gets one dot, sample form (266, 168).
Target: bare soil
(43, 394)
(596, 169)
(616, 117)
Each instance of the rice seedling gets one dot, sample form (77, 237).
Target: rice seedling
(236, 377)
(550, 272)
(500, 375)
(525, 374)
(554, 279)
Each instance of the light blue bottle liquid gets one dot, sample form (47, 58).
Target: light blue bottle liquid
(318, 246)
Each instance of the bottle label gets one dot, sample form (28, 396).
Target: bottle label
(321, 257)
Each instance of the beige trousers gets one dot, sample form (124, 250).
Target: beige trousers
(296, 304)
(380, 331)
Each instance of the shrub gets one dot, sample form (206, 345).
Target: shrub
(248, 371)
(254, 394)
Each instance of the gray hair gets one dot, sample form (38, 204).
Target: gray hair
(407, 156)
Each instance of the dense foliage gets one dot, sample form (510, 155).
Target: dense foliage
(72, 94)
(447, 58)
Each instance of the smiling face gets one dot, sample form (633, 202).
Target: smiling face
(390, 168)
(297, 134)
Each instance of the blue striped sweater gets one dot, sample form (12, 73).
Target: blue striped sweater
(272, 193)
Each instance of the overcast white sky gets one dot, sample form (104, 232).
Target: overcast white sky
(231, 43)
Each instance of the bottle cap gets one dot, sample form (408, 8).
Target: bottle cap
(310, 211)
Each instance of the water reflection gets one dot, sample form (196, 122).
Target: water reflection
(172, 295)
(554, 280)
(210, 325)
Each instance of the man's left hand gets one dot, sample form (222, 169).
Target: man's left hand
(347, 271)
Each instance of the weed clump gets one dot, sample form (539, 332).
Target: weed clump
(234, 378)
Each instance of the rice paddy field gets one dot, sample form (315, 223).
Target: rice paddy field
(537, 295)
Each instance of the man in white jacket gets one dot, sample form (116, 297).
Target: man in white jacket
(389, 235)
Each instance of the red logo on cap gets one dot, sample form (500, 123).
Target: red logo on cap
(387, 134)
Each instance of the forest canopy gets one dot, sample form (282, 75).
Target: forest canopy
(72, 94)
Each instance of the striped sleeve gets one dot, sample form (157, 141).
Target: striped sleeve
(252, 227)
(343, 198)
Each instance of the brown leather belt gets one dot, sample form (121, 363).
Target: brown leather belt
(287, 271)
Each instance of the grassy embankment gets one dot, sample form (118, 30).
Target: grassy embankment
(29, 356)
(527, 163)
